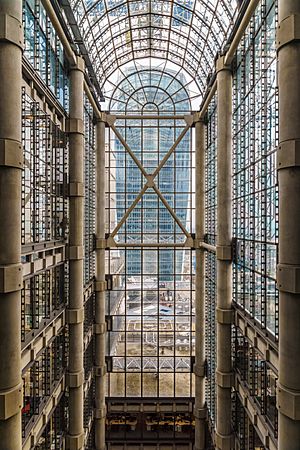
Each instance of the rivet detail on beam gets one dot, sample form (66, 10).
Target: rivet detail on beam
(11, 154)
(288, 154)
(288, 31)
(11, 278)
(288, 278)
(11, 30)
(288, 402)
(10, 402)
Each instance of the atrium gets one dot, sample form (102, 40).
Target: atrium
(149, 225)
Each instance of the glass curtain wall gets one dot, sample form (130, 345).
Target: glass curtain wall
(152, 325)
(44, 50)
(255, 212)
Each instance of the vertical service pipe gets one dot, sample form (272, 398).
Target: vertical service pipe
(11, 162)
(224, 440)
(75, 312)
(100, 326)
(288, 271)
(199, 368)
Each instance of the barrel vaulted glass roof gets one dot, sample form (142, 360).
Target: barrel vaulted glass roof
(185, 33)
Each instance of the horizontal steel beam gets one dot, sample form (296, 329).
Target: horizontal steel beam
(40, 422)
(257, 338)
(42, 339)
(39, 261)
(257, 419)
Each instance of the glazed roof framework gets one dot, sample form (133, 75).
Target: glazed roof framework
(187, 33)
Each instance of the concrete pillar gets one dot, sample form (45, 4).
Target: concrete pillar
(288, 270)
(224, 440)
(199, 368)
(75, 311)
(100, 326)
(11, 281)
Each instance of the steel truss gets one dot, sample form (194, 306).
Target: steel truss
(150, 184)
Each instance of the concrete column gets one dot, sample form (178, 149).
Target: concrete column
(75, 312)
(224, 257)
(100, 326)
(288, 271)
(199, 368)
(11, 281)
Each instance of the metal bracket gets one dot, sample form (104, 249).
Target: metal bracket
(224, 379)
(11, 154)
(75, 252)
(288, 31)
(189, 119)
(189, 242)
(74, 316)
(74, 126)
(80, 64)
(74, 380)
(11, 278)
(150, 181)
(200, 413)
(224, 442)
(99, 328)
(288, 154)
(225, 316)
(100, 413)
(288, 402)
(100, 371)
(199, 370)
(10, 402)
(100, 286)
(109, 282)
(110, 119)
(288, 278)
(76, 189)
(110, 242)
(100, 243)
(11, 30)
(224, 252)
(75, 442)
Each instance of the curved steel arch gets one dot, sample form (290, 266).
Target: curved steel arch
(187, 32)
(157, 85)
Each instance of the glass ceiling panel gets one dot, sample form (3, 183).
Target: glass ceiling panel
(187, 33)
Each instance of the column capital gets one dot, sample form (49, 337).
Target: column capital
(220, 65)
(288, 31)
(80, 64)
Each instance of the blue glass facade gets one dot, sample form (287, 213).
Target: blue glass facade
(44, 50)
(150, 222)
